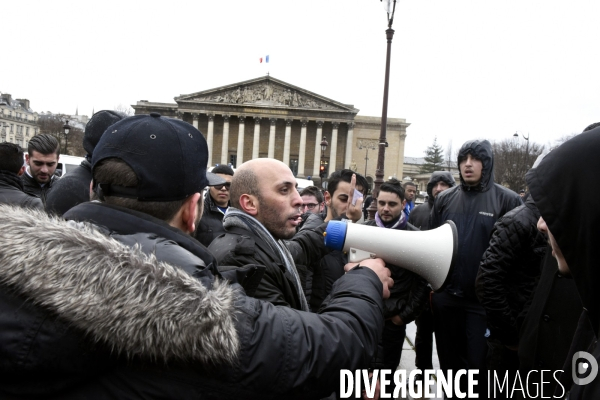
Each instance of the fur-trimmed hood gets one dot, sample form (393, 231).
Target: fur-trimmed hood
(120, 296)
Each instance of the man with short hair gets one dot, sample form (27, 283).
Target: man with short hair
(439, 181)
(339, 198)
(312, 200)
(11, 186)
(216, 204)
(42, 159)
(410, 192)
(474, 206)
(74, 188)
(128, 305)
(409, 295)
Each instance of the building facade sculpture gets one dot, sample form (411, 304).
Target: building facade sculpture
(266, 117)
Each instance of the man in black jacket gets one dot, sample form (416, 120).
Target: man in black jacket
(409, 295)
(11, 187)
(474, 206)
(74, 188)
(216, 204)
(42, 160)
(266, 209)
(419, 217)
(570, 224)
(507, 275)
(133, 307)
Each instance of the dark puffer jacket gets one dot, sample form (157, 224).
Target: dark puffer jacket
(509, 269)
(110, 322)
(474, 210)
(70, 190)
(33, 188)
(408, 296)
(11, 192)
(211, 224)
(419, 217)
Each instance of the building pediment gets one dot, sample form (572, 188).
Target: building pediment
(266, 92)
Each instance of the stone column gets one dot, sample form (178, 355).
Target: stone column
(272, 138)
(333, 147)
(209, 138)
(318, 139)
(302, 149)
(225, 145)
(240, 146)
(349, 143)
(286, 143)
(195, 120)
(256, 144)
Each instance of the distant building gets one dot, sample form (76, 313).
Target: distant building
(18, 122)
(266, 117)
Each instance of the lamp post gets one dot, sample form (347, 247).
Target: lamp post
(516, 135)
(367, 145)
(66, 129)
(322, 169)
(390, 8)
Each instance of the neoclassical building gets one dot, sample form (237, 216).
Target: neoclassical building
(18, 122)
(266, 117)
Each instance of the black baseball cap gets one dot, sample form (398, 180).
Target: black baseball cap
(168, 156)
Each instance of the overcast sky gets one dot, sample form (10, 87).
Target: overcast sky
(460, 69)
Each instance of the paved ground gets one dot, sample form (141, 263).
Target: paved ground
(407, 362)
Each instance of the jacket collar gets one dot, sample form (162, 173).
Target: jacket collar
(11, 179)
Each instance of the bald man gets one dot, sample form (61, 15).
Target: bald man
(265, 210)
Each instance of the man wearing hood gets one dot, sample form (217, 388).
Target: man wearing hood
(439, 181)
(474, 206)
(574, 237)
(74, 188)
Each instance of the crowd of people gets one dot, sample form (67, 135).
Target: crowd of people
(143, 275)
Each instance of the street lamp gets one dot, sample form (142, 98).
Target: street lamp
(516, 135)
(66, 129)
(322, 169)
(367, 145)
(390, 8)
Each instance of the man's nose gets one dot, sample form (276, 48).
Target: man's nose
(541, 225)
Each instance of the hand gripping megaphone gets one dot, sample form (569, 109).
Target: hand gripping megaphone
(430, 254)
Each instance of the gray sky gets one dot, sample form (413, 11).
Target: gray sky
(460, 69)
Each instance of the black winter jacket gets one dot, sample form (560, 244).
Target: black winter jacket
(509, 269)
(33, 188)
(71, 189)
(410, 293)
(211, 224)
(94, 319)
(238, 247)
(419, 217)
(474, 210)
(11, 192)
(573, 222)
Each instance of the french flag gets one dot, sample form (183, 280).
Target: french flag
(266, 58)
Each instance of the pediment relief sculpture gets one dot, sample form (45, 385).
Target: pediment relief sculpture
(265, 94)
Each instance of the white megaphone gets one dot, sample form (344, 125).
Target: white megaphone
(430, 254)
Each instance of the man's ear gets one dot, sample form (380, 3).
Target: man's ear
(189, 213)
(21, 171)
(403, 203)
(27, 159)
(327, 197)
(249, 204)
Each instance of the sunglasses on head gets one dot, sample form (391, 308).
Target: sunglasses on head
(226, 185)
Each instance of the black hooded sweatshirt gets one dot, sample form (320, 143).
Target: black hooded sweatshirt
(419, 217)
(564, 191)
(474, 210)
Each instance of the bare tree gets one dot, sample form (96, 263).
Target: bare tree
(450, 156)
(512, 159)
(53, 124)
(125, 109)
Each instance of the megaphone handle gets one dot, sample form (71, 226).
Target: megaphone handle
(357, 255)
